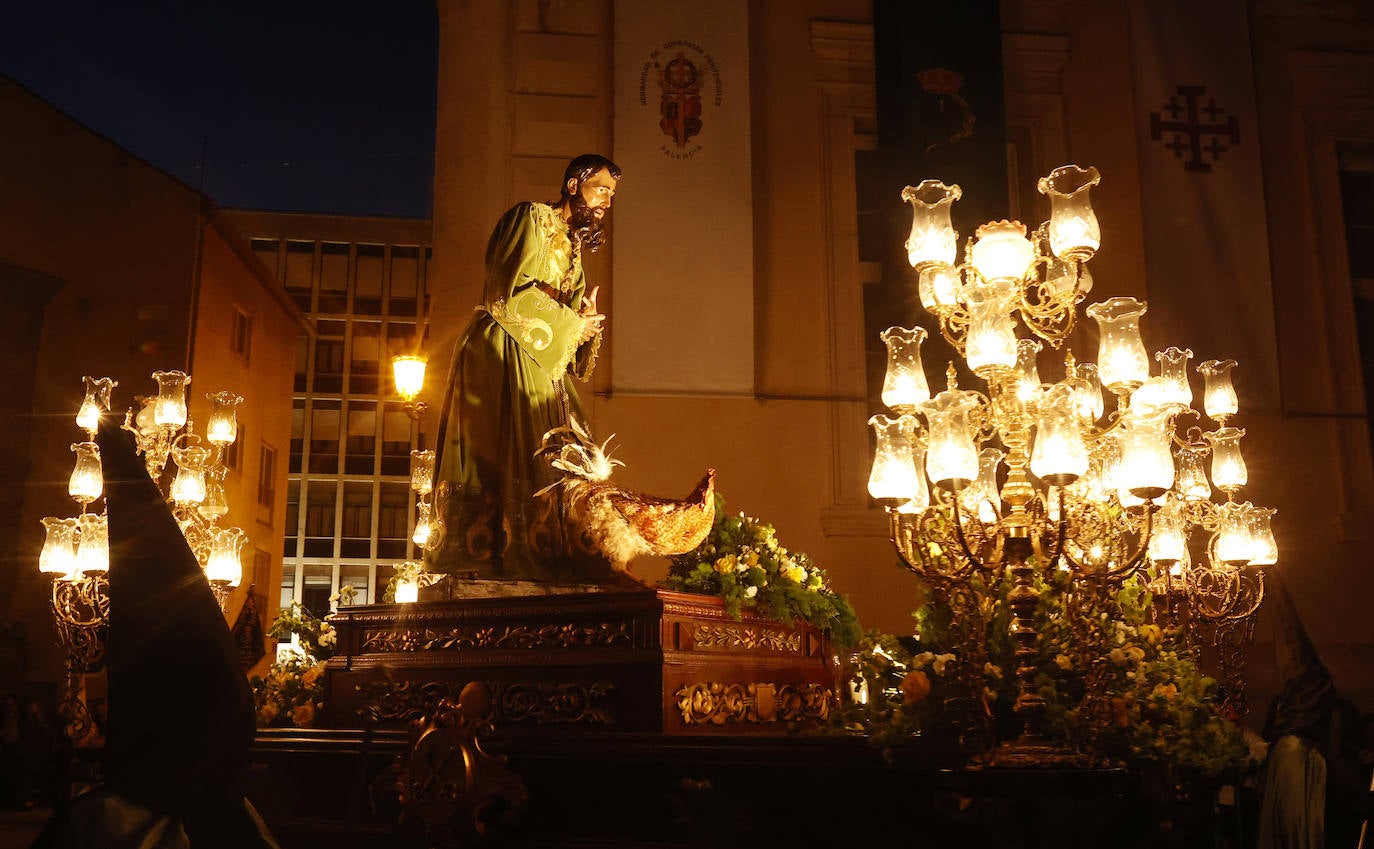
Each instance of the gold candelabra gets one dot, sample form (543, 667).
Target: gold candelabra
(75, 554)
(1033, 478)
(408, 373)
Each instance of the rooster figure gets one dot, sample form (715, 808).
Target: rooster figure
(623, 525)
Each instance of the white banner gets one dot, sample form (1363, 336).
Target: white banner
(1206, 242)
(683, 252)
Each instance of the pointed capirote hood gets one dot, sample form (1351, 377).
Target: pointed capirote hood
(1306, 692)
(180, 719)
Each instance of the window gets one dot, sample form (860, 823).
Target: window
(362, 438)
(262, 566)
(367, 296)
(266, 250)
(302, 362)
(356, 539)
(396, 426)
(297, 435)
(299, 273)
(333, 277)
(365, 358)
(288, 586)
(232, 456)
(405, 275)
(267, 476)
(321, 497)
(393, 531)
(242, 340)
(293, 517)
(324, 438)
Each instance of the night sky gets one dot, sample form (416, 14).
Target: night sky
(303, 105)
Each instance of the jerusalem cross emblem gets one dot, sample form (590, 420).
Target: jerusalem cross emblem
(1190, 137)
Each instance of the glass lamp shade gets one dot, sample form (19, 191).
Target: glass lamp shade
(904, 385)
(1122, 362)
(938, 287)
(1147, 466)
(93, 546)
(188, 487)
(920, 501)
(223, 426)
(58, 556)
(87, 482)
(97, 401)
(1266, 550)
(1192, 483)
(420, 536)
(1167, 540)
(1088, 392)
(422, 471)
(169, 409)
(408, 372)
(991, 343)
(214, 506)
(983, 498)
(1219, 396)
(408, 589)
(951, 456)
(1173, 368)
(1234, 544)
(1002, 252)
(225, 564)
(1228, 464)
(1061, 280)
(1074, 232)
(1059, 456)
(1027, 371)
(892, 480)
(932, 239)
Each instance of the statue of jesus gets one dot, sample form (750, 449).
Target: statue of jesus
(511, 382)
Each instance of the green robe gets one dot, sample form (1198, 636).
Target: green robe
(511, 383)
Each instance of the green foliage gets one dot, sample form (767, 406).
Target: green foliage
(1115, 683)
(741, 561)
(292, 691)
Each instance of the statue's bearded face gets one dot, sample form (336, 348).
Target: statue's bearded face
(588, 206)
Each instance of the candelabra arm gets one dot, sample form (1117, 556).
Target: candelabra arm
(898, 535)
(1139, 557)
(959, 533)
(1063, 532)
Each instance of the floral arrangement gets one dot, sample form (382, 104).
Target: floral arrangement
(742, 562)
(1118, 685)
(292, 691)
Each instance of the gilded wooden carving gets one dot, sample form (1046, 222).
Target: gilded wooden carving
(387, 700)
(727, 636)
(717, 703)
(555, 636)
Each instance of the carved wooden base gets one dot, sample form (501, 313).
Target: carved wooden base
(645, 661)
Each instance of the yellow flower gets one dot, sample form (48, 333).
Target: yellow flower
(725, 564)
(915, 687)
(303, 716)
(313, 674)
(1167, 691)
(793, 572)
(1135, 653)
(1151, 633)
(269, 713)
(1062, 660)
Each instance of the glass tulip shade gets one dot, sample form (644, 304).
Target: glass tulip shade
(951, 456)
(1088, 392)
(1173, 368)
(1168, 541)
(1219, 396)
(921, 499)
(1147, 465)
(892, 480)
(408, 372)
(904, 385)
(58, 556)
(169, 409)
(93, 546)
(1228, 464)
(1234, 543)
(1122, 363)
(1059, 456)
(223, 427)
(932, 240)
(1266, 550)
(1192, 483)
(983, 498)
(188, 487)
(1001, 252)
(1027, 371)
(938, 288)
(225, 564)
(420, 536)
(991, 343)
(87, 482)
(422, 471)
(1074, 231)
(97, 401)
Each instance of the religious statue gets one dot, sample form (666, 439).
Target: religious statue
(521, 489)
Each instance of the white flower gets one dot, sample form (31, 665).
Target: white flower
(750, 592)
